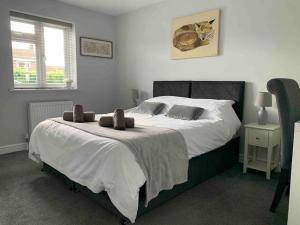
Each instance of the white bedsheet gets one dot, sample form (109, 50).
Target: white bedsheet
(106, 164)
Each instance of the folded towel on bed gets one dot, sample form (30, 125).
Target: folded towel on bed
(78, 115)
(68, 116)
(89, 116)
(119, 119)
(129, 122)
(108, 121)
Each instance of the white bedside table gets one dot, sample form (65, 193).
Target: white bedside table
(263, 136)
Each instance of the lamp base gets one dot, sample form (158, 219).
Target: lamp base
(262, 116)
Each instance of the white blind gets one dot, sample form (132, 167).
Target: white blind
(43, 52)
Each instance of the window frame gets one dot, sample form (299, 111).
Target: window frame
(38, 40)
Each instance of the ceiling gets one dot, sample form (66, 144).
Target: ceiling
(111, 7)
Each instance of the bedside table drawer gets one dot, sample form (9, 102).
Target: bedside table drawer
(258, 138)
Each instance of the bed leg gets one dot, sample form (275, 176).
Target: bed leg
(73, 187)
(125, 222)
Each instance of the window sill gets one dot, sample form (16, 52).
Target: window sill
(42, 89)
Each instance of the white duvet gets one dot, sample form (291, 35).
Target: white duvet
(105, 164)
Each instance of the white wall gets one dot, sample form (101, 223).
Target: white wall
(96, 76)
(259, 40)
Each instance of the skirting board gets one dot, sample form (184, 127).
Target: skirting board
(13, 148)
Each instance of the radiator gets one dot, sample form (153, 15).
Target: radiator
(40, 111)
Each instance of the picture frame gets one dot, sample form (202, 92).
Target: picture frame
(96, 47)
(196, 35)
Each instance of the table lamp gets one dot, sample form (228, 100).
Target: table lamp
(263, 99)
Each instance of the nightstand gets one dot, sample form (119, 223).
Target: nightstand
(262, 137)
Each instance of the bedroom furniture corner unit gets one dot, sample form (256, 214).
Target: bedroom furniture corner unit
(265, 137)
(201, 167)
(294, 203)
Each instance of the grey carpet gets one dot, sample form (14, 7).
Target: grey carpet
(29, 196)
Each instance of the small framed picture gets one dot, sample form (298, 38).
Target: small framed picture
(96, 47)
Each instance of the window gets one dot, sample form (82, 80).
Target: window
(43, 52)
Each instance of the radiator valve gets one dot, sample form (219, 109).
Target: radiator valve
(26, 137)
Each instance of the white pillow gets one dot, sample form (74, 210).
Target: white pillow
(212, 107)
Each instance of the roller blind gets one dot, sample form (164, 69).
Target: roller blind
(43, 52)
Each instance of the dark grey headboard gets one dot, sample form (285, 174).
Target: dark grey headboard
(172, 88)
(229, 90)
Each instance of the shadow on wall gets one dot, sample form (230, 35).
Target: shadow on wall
(223, 12)
(144, 95)
(251, 111)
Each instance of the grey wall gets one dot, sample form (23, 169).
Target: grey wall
(96, 76)
(258, 40)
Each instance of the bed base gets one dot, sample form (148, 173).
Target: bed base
(201, 168)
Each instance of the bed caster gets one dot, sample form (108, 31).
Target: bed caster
(125, 222)
(73, 188)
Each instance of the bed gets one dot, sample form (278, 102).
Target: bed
(200, 168)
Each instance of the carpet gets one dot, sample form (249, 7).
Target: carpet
(31, 197)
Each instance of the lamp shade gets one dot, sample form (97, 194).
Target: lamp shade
(263, 99)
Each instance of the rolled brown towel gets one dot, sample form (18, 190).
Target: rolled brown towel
(119, 119)
(106, 121)
(89, 116)
(68, 116)
(78, 115)
(129, 122)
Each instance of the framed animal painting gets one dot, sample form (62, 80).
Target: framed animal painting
(196, 35)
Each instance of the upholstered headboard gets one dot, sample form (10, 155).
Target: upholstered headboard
(229, 90)
(172, 88)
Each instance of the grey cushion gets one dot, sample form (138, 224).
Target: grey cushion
(152, 108)
(184, 112)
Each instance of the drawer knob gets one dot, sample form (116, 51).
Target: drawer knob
(257, 138)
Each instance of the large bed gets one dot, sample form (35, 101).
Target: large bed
(115, 168)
